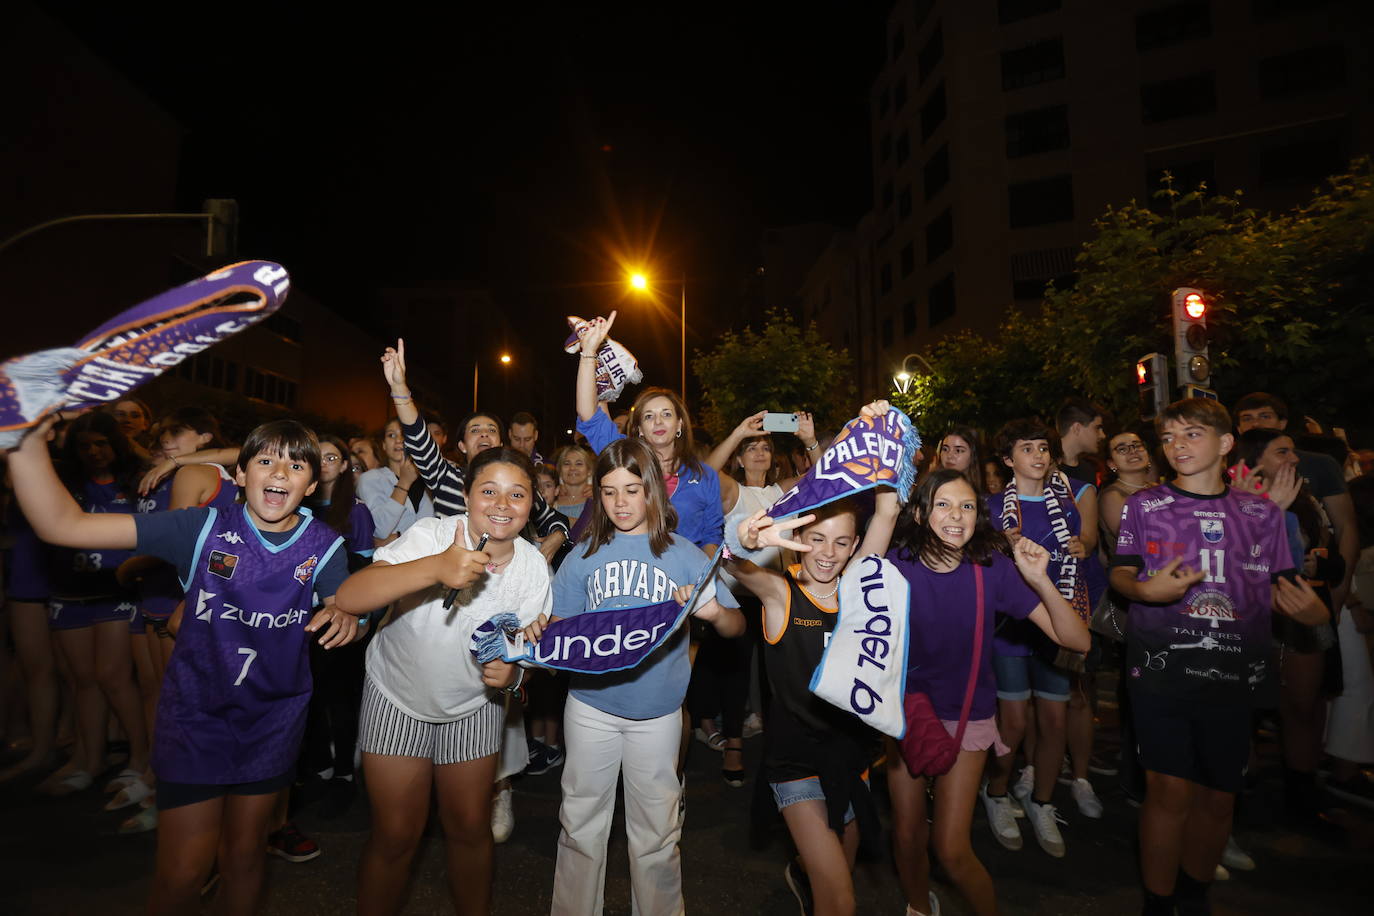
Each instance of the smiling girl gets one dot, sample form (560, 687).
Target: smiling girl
(431, 715)
(574, 480)
(233, 704)
(628, 723)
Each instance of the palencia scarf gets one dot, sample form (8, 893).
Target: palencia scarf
(597, 642)
(137, 345)
(616, 366)
(1058, 496)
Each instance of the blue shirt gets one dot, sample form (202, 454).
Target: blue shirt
(625, 573)
(696, 499)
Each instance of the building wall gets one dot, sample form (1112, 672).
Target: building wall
(1264, 95)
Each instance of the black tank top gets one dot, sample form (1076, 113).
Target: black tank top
(793, 655)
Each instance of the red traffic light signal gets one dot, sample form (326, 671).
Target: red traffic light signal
(1194, 306)
(1152, 384)
(1190, 314)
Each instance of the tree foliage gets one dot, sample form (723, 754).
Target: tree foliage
(784, 367)
(1290, 313)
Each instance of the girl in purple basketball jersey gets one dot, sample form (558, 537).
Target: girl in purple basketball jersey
(233, 704)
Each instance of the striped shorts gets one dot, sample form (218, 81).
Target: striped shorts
(385, 729)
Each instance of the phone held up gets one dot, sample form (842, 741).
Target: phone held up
(779, 422)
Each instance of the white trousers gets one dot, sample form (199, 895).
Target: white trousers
(600, 747)
(1350, 723)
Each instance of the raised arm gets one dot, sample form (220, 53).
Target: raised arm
(394, 371)
(223, 456)
(806, 433)
(1053, 615)
(597, 331)
(50, 509)
(748, 428)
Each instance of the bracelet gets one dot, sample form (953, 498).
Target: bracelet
(813, 446)
(401, 488)
(520, 679)
(400, 400)
(585, 356)
(175, 463)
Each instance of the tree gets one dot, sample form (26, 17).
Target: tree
(782, 368)
(1290, 310)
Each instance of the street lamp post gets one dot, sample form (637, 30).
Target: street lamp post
(640, 282)
(476, 365)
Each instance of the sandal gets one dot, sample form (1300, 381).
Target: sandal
(715, 741)
(73, 782)
(131, 794)
(142, 822)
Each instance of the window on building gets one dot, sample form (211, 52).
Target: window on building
(285, 326)
(887, 332)
(898, 42)
(1303, 159)
(908, 260)
(1036, 203)
(1038, 131)
(931, 53)
(899, 95)
(1016, 10)
(909, 318)
(1037, 63)
(887, 194)
(1031, 271)
(1169, 25)
(935, 175)
(269, 387)
(885, 147)
(942, 300)
(1187, 175)
(939, 235)
(1308, 70)
(933, 112)
(1185, 97)
(885, 279)
(904, 202)
(903, 147)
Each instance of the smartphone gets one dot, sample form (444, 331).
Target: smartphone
(779, 422)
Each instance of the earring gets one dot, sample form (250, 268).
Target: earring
(1111, 468)
(679, 433)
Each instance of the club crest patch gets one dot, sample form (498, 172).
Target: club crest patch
(306, 570)
(1212, 530)
(223, 564)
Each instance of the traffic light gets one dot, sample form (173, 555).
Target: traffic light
(1190, 308)
(1152, 384)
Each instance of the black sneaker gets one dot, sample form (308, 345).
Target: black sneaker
(290, 844)
(542, 759)
(800, 886)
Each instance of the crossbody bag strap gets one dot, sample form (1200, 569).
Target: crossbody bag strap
(977, 655)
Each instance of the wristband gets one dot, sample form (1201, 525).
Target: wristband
(519, 679)
(585, 356)
(813, 446)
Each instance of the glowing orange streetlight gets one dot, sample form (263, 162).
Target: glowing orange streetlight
(505, 358)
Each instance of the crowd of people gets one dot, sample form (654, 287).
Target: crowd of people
(245, 622)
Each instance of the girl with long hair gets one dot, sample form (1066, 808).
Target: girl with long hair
(960, 450)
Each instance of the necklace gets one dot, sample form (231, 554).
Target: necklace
(832, 594)
(1133, 486)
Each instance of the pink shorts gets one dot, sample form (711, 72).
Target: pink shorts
(979, 735)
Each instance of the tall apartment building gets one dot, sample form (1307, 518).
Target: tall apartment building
(1002, 128)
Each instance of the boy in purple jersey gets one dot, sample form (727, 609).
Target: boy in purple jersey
(1201, 564)
(233, 705)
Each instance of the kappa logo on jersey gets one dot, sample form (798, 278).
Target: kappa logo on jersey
(231, 536)
(306, 570)
(223, 564)
(1212, 530)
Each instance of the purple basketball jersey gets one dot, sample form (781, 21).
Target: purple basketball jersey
(235, 696)
(87, 574)
(1214, 642)
(160, 592)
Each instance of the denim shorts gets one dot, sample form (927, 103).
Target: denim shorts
(1020, 676)
(808, 788)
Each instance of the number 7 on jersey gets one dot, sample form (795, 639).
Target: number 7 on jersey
(249, 654)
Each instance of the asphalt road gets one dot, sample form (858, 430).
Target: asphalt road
(64, 856)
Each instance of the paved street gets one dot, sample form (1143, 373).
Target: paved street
(63, 856)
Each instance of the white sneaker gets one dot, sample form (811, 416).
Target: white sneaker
(1236, 858)
(1001, 819)
(753, 725)
(502, 816)
(1221, 874)
(1024, 785)
(1089, 805)
(1044, 822)
(934, 907)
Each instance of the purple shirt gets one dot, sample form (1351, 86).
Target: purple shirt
(1018, 637)
(234, 699)
(85, 574)
(1214, 642)
(940, 630)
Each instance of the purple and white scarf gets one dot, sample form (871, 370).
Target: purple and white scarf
(1058, 495)
(137, 345)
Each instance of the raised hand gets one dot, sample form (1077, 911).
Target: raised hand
(408, 474)
(874, 409)
(1032, 560)
(760, 530)
(806, 428)
(598, 329)
(394, 368)
(1283, 489)
(751, 425)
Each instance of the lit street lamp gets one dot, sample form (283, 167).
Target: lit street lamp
(902, 379)
(640, 282)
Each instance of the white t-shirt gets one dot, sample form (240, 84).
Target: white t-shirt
(422, 659)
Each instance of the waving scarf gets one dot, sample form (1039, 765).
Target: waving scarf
(594, 643)
(616, 366)
(137, 345)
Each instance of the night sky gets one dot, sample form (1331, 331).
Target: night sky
(530, 152)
